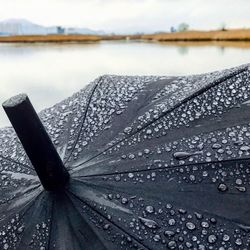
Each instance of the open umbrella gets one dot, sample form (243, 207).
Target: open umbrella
(140, 163)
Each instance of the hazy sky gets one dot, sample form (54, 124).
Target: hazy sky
(130, 15)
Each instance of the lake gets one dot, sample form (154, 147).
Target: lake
(49, 73)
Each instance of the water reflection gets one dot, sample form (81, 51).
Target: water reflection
(49, 73)
(183, 50)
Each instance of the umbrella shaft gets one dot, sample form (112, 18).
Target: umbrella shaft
(36, 142)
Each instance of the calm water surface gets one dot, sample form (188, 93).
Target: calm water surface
(49, 73)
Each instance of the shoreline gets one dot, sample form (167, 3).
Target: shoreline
(237, 35)
(49, 38)
(202, 36)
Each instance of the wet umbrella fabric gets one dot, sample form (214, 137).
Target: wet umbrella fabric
(154, 163)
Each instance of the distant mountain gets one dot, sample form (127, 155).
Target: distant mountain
(25, 27)
(83, 31)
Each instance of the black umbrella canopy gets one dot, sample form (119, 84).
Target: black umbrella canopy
(145, 163)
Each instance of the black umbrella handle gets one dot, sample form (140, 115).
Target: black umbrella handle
(36, 142)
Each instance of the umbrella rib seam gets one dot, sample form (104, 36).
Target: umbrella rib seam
(169, 167)
(187, 207)
(84, 118)
(29, 204)
(85, 221)
(110, 221)
(19, 196)
(16, 162)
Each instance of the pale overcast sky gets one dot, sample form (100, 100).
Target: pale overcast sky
(130, 15)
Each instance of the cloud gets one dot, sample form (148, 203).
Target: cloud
(130, 15)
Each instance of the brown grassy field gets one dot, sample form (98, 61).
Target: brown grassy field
(229, 35)
(63, 38)
(49, 38)
(235, 35)
(236, 44)
(121, 37)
